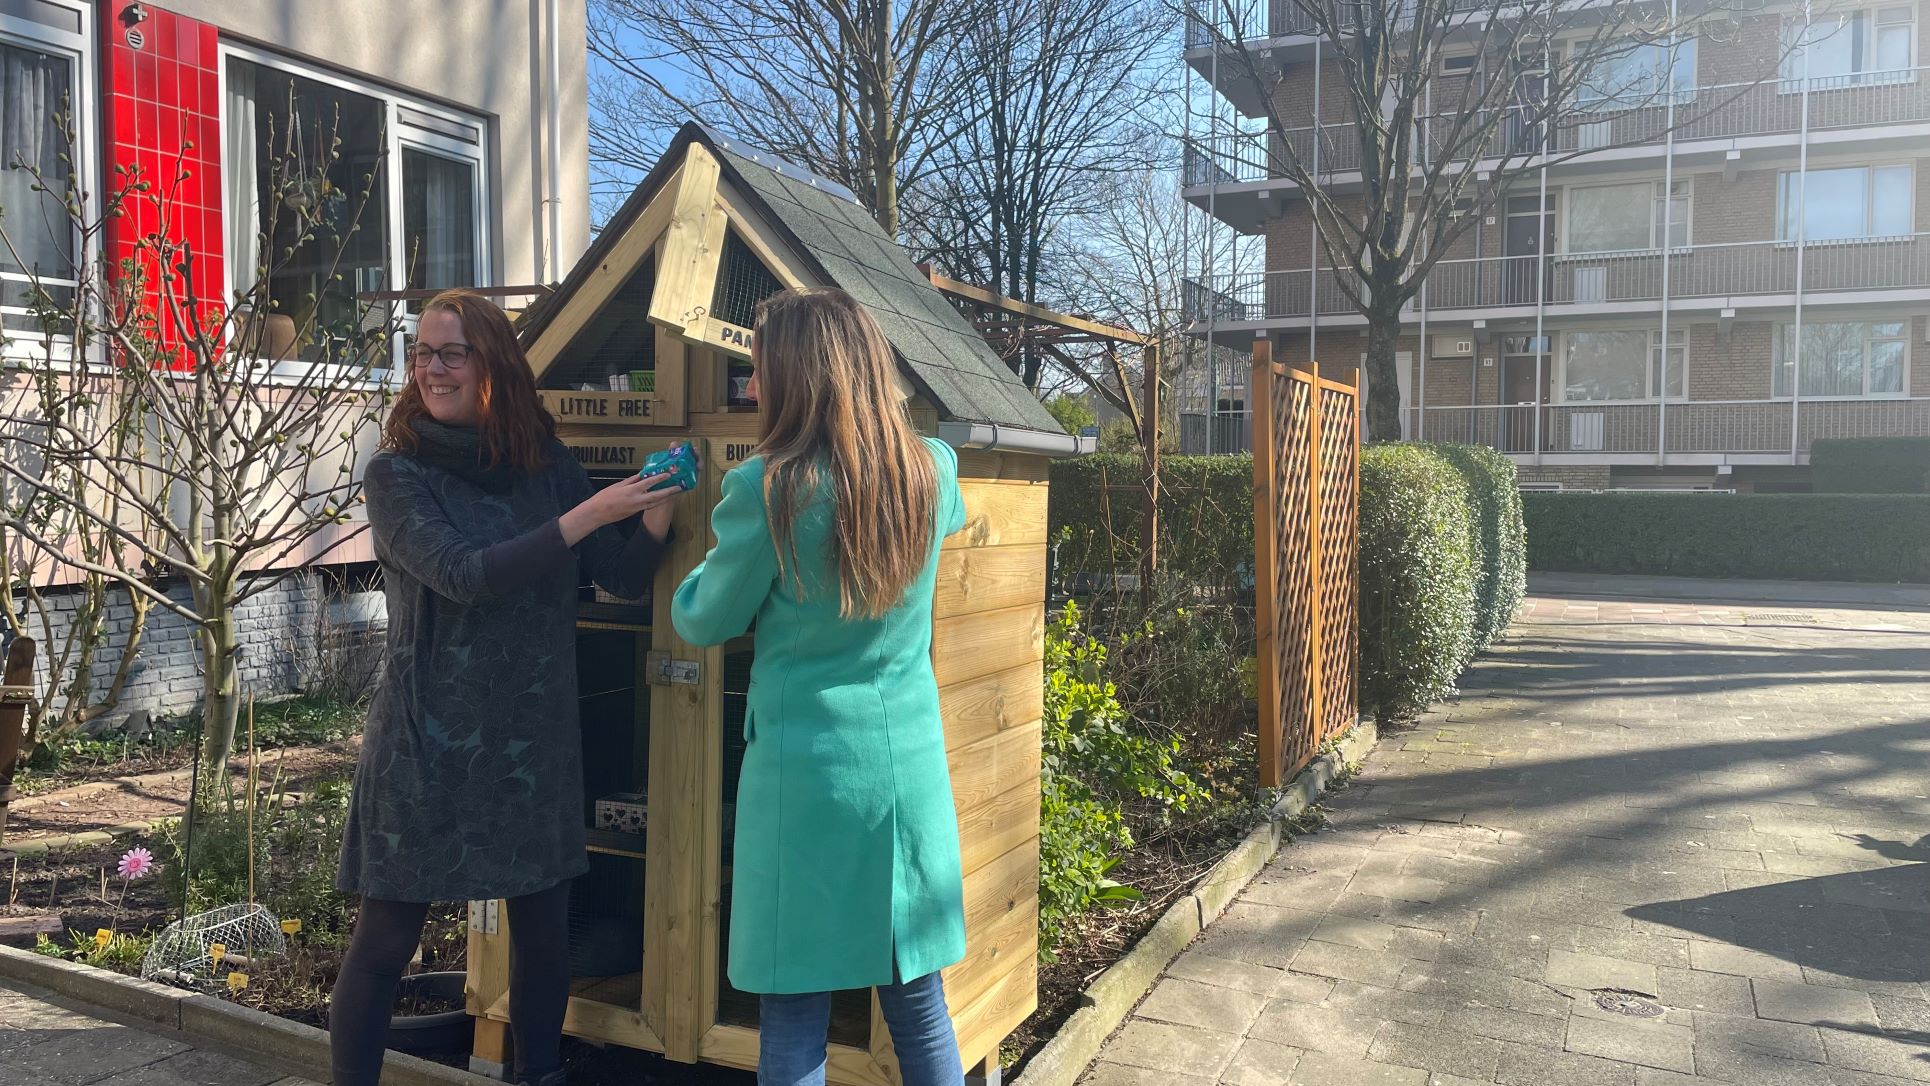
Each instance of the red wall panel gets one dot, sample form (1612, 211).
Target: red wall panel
(162, 109)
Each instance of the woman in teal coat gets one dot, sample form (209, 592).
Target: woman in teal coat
(846, 866)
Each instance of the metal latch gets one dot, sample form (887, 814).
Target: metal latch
(662, 670)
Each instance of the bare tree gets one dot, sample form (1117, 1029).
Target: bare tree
(863, 92)
(208, 444)
(1070, 92)
(1435, 154)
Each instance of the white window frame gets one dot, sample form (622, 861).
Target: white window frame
(1785, 329)
(1652, 372)
(1793, 76)
(80, 50)
(1658, 241)
(400, 133)
(1785, 188)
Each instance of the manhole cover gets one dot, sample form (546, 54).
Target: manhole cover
(1629, 1003)
(1778, 618)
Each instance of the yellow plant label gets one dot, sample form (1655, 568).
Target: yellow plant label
(102, 938)
(290, 927)
(217, 951)
(237, 981)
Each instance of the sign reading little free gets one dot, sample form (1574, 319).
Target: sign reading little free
(600, 408)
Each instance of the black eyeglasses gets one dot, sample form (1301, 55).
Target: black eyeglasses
(454, 355)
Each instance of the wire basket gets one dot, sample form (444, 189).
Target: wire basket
(184, 952)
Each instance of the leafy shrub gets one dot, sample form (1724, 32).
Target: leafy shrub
(1206, 516)
(1844, 537)
(1072, 413)
(1500, 538)
(1417, 579)
(1870, 465)
(295, 849)
(1093, 764)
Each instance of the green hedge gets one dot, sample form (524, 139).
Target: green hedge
(1835, 537)
(1500, 538)
(1418, 578)
(1206, 516)
(1870, 465)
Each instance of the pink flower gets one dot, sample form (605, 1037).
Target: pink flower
(135, 863)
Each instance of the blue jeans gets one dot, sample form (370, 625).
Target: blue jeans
(792, 1032)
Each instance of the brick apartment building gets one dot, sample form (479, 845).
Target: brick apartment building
(1565, 328)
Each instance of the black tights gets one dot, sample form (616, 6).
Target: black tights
(385, 939)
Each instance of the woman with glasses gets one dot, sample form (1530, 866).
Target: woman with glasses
(470, 779)
(846, 870)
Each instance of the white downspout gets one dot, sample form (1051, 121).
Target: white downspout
(553, 168)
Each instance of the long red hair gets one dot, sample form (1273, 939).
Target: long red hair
(515, 428)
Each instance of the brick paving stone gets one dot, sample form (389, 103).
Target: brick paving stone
(1180, 1050)
(1326, 1069)
(1455, 1053)
(1522, 1065)
(1355, 932)
(1695, 990)
(1374, 1001)
(1575, 970)
(1814, 1004)
(1227, 973)
(1107, 1073)
(1261, 1063)
(1506, 1025)
(197, 1068)
(68, 1059)
(1191, 1003)
(1349, 963)
(1632, 1040)
(1877, 1054)
(1898, 1013)
(1742, 962)
(1755, 1037)
(1398, 887)
(1317, 1029)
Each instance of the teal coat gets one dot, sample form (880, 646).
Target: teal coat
(846, 867)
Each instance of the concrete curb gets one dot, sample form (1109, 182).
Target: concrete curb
(1119, 989)
(277, 1042)
(86, 837)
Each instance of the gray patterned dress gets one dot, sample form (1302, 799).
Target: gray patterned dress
(470, 783)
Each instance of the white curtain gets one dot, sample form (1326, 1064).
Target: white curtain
(442, 238)
(244, 179)
(34, 87)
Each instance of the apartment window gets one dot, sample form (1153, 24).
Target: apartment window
(1851, 48)
(1628, 217)
(42, 46)
(1622, 364)
(1844, 359)
(1628, 74)
(1853, 202)
(339, 190)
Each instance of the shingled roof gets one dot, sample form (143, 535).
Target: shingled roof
(939, 351)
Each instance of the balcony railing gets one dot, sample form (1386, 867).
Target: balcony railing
(1576, 281)
(1771, 107)
(1251, 19)
(1686, 428)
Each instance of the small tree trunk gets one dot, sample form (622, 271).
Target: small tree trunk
(1383, 375)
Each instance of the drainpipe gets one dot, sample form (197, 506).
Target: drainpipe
(553, 169)
(1795, 350)
(1668, 234)
(1313, 231)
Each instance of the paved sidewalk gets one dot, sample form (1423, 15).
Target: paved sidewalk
(1717, 808)
(49, 1043)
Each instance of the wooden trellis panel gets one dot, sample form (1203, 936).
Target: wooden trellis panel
(1306, 519)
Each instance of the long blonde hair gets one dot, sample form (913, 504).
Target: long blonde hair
(831, 415)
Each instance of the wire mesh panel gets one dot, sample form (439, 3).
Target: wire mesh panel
(1306, 464)
(743, 282)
